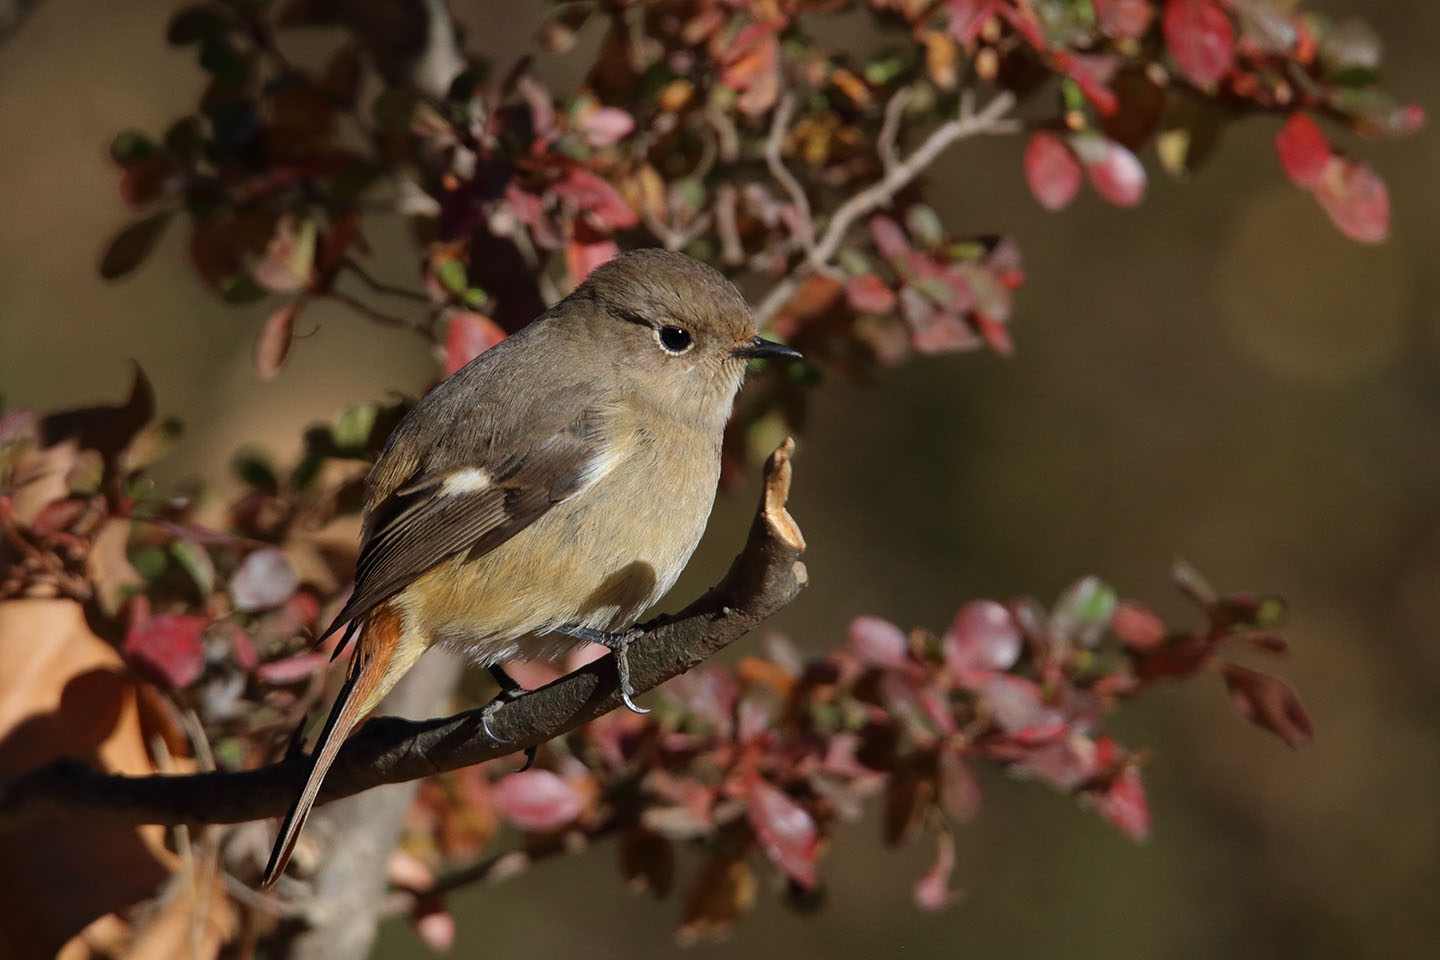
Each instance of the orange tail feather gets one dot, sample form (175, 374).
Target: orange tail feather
(369, 668)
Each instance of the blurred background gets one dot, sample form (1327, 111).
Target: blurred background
(1217, 375)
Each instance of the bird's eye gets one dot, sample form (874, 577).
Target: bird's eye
(675, 339)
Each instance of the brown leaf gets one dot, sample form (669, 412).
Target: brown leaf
(723, 892)
(647, 861)
(68, 696)
(1269, 702)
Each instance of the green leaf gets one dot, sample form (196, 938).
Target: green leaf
(451, 274)
(240, 289)
(195, 560)
(185, 137)
(132, 245)
(220, 59)
(353, 428)
(130, 146)
(923, 223)
(254, 470)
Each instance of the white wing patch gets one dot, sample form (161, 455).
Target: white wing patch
(468, 480)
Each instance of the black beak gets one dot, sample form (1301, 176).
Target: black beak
(759, 347)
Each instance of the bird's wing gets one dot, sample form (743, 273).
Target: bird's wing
(471, 491)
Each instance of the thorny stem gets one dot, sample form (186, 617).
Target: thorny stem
(989, 120)
(425, 329)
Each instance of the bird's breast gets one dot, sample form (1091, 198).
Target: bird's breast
(597, 559)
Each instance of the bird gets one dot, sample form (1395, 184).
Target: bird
(545, 494)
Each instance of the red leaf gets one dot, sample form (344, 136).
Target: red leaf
(1123, 805)
(273, 344)
(1114, 172)
(537, 800)
(867, 293)
(581, 257)
(1124, 18)
(1051, 170)
(1354, 197)
(1137, 627)
(786, 830)
(967, 17)
(594, 196)
(166, 649)
(932, 891)
(1091, 73)
(752, 68)
(879, 642)
(1200, 38)
(1270, 703)
(468, 336)
(982, 637)
(605, 126)
(1304, 151)
(996, 334)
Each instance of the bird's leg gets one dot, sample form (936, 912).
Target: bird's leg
(510, 689)
(619, 642)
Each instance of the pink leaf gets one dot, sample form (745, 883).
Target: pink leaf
(263, 580)
(1051, 170)
(594, 196)
(537, 800)
(959, 790)
(468, 336)
(167, 649)
(1200, 38)
(879, 642)
(1304, 151)
(982, 637)
(785, 829)
(1016, 705)
(1114, 172)
(867, 293)
(605, 126)
(281, 673)
(273, 344)
(890, 240)
(932, 891)
(1354, 197)
(1123, 805)
(434, 923)
(1124, 18)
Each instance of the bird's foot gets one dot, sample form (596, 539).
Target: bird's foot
(510, 689)
(618, 642)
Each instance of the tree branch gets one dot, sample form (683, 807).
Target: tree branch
(766, 576)
(991, 119)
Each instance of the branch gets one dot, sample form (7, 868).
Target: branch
(766, 576)
(991, 119)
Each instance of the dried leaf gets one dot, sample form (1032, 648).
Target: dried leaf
(647, 861)
(1269, 702)
(723, 892)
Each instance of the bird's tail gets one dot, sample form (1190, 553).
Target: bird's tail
(375, 666)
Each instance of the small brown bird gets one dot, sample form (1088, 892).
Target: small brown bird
(548, 492)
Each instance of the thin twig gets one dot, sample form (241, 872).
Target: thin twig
(991, 120)
(380, 286)
(890, 129)
(774, 147)
(673, 238)
(424, 329)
